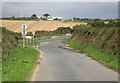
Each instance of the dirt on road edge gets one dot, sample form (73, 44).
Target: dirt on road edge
(38, 62)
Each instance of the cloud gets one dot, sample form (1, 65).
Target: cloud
(65, 9)
(60, 0)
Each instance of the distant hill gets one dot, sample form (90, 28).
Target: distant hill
(15, 26)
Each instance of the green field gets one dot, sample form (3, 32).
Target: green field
(108, 60)
(19, 65)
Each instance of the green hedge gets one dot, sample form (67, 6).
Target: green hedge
(9, 41)
(19, 65)
(104, 39)
(59, 31)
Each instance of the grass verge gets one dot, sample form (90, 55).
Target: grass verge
(44, 37)
(28, 43)
(111, 61)
(33, 44)
(19, 65)
(47, 37)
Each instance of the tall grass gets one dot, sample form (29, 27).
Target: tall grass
(17, 62)
(110, 61)
(18, 66)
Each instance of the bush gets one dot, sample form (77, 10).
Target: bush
(104, 39)
(9, 41)
(42, 33)
(97, 23)
(61, 30)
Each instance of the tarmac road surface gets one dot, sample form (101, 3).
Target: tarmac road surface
(61, 63)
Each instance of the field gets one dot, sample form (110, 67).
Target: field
(15, 26)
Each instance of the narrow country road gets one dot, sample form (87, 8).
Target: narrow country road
(61, 63)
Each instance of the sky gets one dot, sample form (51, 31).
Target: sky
(60, 0)
(66, 9)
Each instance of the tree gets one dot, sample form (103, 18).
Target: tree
(97, 23)
(112, 23)
(46, 15)
(76, 19)
(34, 16)
(57, 19)
(13, 17)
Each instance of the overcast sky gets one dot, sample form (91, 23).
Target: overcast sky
(63, 9)
(59, 0)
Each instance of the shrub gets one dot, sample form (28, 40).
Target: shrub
(9, 41)
(104, 39)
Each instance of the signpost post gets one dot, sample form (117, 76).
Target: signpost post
(24, 32)
(29, 38)
(33, 35)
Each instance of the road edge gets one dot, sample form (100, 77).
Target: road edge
(38, 62)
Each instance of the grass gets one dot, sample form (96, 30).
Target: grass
(33, 44)
(59, 34)
(41, 38)
(28, 43)
(47, 37)
(111, 61)
(19, 65)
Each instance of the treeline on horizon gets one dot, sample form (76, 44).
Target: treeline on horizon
(20, 18)
(33, 17)
(97, 22)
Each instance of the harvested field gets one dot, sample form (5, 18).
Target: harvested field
(15, 26)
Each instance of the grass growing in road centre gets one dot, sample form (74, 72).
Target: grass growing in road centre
(110, 61)
(19, 65)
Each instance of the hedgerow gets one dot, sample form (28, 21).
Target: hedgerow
(9, 41)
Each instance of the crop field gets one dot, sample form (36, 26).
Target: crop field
(15, 26)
